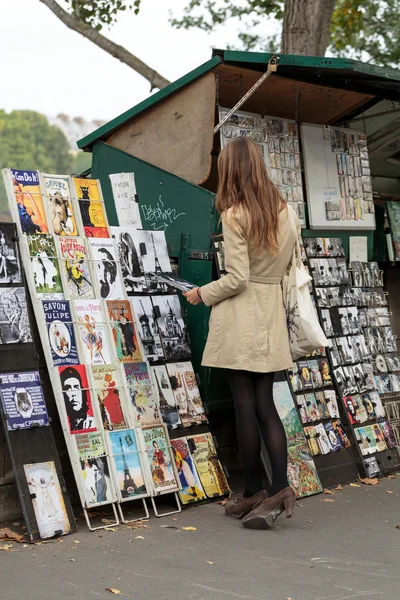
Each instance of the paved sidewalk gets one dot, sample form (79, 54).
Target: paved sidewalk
(339, 550)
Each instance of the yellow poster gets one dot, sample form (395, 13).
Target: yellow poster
(91, 207)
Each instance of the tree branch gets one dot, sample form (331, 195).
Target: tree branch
(156, 80)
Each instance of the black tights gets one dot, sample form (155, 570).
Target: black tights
(255, 411)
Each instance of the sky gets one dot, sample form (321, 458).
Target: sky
(52, 69)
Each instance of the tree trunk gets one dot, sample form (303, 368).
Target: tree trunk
(307, 26)
(156, 80)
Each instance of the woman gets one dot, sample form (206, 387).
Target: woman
(248, 335)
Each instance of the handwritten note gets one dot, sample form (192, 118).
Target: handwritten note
(124, 192)
(359, 248)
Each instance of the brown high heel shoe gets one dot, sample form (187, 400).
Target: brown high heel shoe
(265, 515)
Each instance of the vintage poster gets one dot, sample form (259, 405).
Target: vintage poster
(14, 321)
(124, 332)
(97, 485)
(143, 399)
(108, 391)
(394, 217)
(23, 401)
(166, 398)
(10, 268)
(158, 454)
(92, 332)
(147, 328)
(47, 499)
(91, 207)
(128, 469)
(192, 490)
(209, 468)
(302, 473)
(60, 329)
(59, 201)
(29, 200)
(186, 392)
(130, 259)
(172, 327)
(77, 399)
(90, 445)
(106, 270)
(45, 267)
(126, 200)
(75, 268)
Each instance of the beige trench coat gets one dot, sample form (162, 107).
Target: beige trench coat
(247, 329)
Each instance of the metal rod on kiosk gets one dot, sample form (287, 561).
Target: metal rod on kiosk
(272, 66)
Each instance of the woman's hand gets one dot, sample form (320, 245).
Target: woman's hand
(193, 296)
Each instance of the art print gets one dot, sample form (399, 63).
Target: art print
(77, 399)
(60, 331)
(47, 499)
(44, 266)
(106, 270)
(59, 199)
(109, 396)
(93, 333)
(23, 400)
(10, 268)
(14, 320)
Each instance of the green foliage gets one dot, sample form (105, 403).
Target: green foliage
(98, 13)
(367, 29)
(27, 141)
(82, 162)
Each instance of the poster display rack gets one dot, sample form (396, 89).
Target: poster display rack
(24, 418)
(88, 290)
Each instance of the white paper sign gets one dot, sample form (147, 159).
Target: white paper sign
(359, 248)
(124, 192)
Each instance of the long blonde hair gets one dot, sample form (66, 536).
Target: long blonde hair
(244, 183)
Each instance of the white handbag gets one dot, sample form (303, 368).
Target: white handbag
(305, 332)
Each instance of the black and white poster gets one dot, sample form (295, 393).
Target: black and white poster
(130, 258)
(10, 269)
(147, 328)
(106, 270)
(172, 327)
(14, 321)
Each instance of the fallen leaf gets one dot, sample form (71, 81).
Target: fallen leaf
(189, 528)
(391, 477)
(76, 542)
(370, 481)
(139, 537)
(72, 559)
(326, 491)
(328, 500)
(389, 492)
(8, 534)
(309, 521)
(108, 521)
(355, 485)
(113, 590)
(16, 524)
(339, 487)
(110, 528)
(397, 526)
(6, 547)
(298, 504)
(209, 562)
(169, 527)
(223, 502)
(174, 519)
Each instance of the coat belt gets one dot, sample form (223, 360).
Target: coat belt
(270, 280)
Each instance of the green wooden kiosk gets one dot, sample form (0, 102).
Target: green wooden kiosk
(168, 141)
